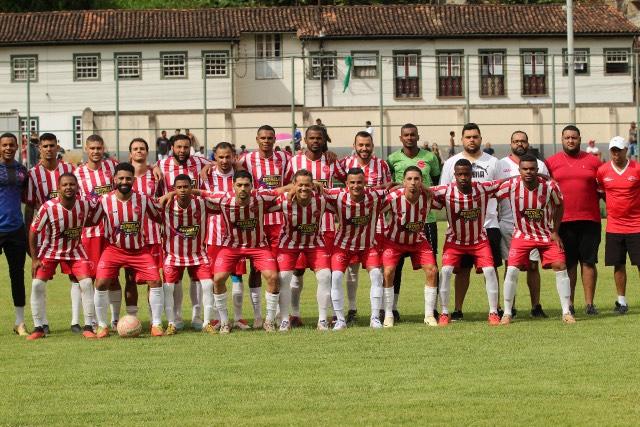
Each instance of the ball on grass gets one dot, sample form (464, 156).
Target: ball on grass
(129, 326)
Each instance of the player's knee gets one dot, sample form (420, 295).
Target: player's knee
(558, 266)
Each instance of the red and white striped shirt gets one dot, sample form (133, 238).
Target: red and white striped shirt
(357, 219)
(185, 233)
(322, 172)
(268, 173)
(533, 209)
(301, 224)
(217, 182)
(43, 183)
(244, 224)
(171, 168)
(376, 172)
(406, 219)
(146, 184)
(465, 212)
(93, 184)
(124, 220)
(61, 228)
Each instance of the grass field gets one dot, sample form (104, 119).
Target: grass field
(531, 372)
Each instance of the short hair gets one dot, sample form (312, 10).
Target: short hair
(573, 128)
(411, 169)
(368, 123)
(408, 126)
(68, 175)
(362, 134)
(48, 137)
(242, 174)
(182, 177)
(266, 127)
(355, 171)
(124, 166)
(9, 135)
(463, 163)
(470, 126)
(528, 158)
(181, 137)
(314, 128)
(223, 145)
(138, 140)
(302, 172)
(95, 138)
(520, 131)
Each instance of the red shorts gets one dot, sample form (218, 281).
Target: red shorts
(94, 246)
(421, 254)
(273, 235)
(80, 268)
(212, 253)
(299, 259)
(173, 273)
(157, 253)
(342, 258)
(481, 253)
(227, 259)
(520, 249)
(329, 237)
(139, 261)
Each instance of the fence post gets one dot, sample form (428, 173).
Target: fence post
(381, 108)
(636, 85)
(115, 66)
(28, 126)
(204, 105)
(467, 112)
(553, 103)
(293, 104)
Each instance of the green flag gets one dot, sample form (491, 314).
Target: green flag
(348, 60)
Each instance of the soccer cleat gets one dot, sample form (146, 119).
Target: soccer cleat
(388, 322)
(375, 323)
(103, 332)
(225, 328)
(285, 326)
(88, 333)
(216, 324)
(171, 329)
(209, 329)
(269, 326)
(568, 318)
(444, 319)
(76, 329)
(352, 316)
(157, 331)
(538, 313)
(295, 321)
(457, 316)
(21, 330)
(323, 325)
(396, 315)
(430, 321)
(506, 319)
(38, 332)
(114, 325)
(591, 310)
(258, 323)
(46, 329)
(179, 325)
(341, 324)
(494, 319)
(242, 324)
(619, 308)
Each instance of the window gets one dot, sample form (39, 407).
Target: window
(34, 125)
(24, 68)
(173, 65)
(268, 56)
(407, 74)
(450, 73)
(581, 61)
(86, 67)
(616, 61)
(492, 73)
(365, 65)
(129, 66)
(215, 63)
(534, 72)
(77, 132)
(322, 62)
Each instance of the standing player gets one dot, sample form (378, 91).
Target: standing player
(619, 179)
(408, 209)
(58, 226)
(124, 213)
(94, 180)
(466, 203)
(537, 206)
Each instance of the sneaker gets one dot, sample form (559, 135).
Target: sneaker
(269, 326)
(457, 316)
(76, 329)
(196, 324)
(341, 324)
(241, 324)
(375, 323)
(572, 310)
(538, 313)
(157, 331)
(396, 315)
(103, 332)
(21, 330)
(494, 319)
(591, 310)
(114, 325)
(46, 329)
(295, 321)
(323, 325)
(619, 308)
(88, 333)
(568, 318)
(209, 329)
(285, 326)
(258, 323)
(38, 332)
(225, 328)
(506, 319)
(388, 322)
(171, 329)
(352, 316)
(444, 319)
(430, 321)
(179, 325)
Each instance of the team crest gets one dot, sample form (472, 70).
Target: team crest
(421, 164)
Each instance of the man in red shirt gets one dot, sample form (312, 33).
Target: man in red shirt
(575, 172)
(537, 207)
(620, 181)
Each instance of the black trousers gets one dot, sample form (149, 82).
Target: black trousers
(14, 246)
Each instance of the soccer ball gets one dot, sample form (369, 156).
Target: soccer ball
(129, 326)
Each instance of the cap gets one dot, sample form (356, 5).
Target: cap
(618, 142)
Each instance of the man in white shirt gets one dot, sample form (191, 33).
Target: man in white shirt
(369, 128)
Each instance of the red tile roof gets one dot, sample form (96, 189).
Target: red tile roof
(429, 21)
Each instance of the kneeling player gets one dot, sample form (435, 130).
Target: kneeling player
(408, 208)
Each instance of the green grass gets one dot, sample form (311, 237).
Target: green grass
(540, 372)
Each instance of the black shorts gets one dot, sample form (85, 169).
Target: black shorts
(495, 236)
(617, 246)
(431, 231)
(581, 240)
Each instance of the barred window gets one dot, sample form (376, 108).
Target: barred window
(216, 64)
(324, 63)
(174, 65)
(24, 68)
(86, 67)
(616, 61)
(129, 66)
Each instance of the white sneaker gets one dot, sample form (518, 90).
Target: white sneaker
(340, 325)
(258, 323)
(225, 328)
(430, 321)
(388, 322)
(285, 326)
(375, 323)
(323, 325)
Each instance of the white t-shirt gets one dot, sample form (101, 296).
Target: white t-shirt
(484, 169)
(370, 131)
(592, 150)
(507, 168)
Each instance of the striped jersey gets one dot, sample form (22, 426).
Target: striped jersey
(146, 184)
(185, 232)
(376, 172)
(43, 183)
(93, 184)
(171, 168)
(301, 224)
(217, 181)
(533, 209)
(406, 219)
(357, 219)
(268, 173)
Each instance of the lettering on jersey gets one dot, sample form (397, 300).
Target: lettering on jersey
(360, 220)
(72, 233)
(414, 227)
(246, 224)
(190, 231)
(270, 181)
(533, 214)
(52, 195)
(307, 228)
(101, 189)
(469, 214)
(130, 227)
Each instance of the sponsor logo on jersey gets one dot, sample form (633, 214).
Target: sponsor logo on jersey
(533, 214)
(470, 214)
(608, 179)
(270, 181)
(246, 224)
(130, 227)
(307, 228)
(72, 233)
(102, 189)
(360, 220)
(322, 181)
(52, 195)
(190, 231)
(414, 227)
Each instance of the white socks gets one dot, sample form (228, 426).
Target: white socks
(236, 295)
(207, 301)
(510, 285)
(430, 296)
(375, 294)
(445, 287)
(169, 302)
(352, 285)
(76, 303)
(38, 302)
(564, 290)
(622, 300)
(221, 307)
(388, 302)
(323, 294)
(337, 294)
(115, 302)
(195, 294)
(272, 305)
(86, 292)
(177, 300)
(286, 294)
(101, 301)
(19, 314)
(156, 302)
(491, 283)
(297, 282)
(256, 297)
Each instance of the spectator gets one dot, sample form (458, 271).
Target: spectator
(243, 150)
(452, 144)
(633, 140)
(489, 149)
(288, 150)
(369, 128)
(24, 149)
(176, 133)
(34, 152)
(326, 134)
(195, 144)
(592, 149)
(297, 137)
(436, 150)
(162, 146)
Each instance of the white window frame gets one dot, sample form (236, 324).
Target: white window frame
(26, 65)
(86, 67)
(365, 62)
(77, 131)
(617, 56)
(128, 66)
(581, 62)
(215, 64)
(268, 56)
(323, 61)
(174, 65)
(492, 68)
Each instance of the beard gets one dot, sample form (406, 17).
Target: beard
(124, 188)
(519, 151)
